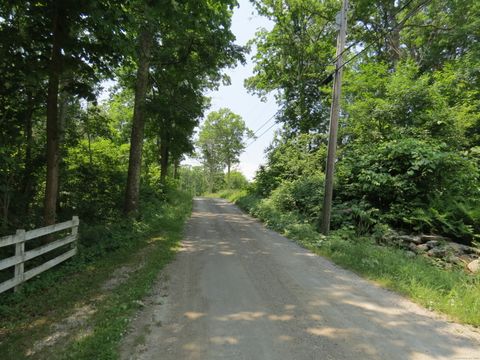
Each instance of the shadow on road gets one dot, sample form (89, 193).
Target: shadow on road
(239, 291)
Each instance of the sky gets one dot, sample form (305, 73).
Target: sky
(255, 113)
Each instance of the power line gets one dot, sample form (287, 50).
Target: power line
(261, 127)
(358, 42)
(402, 22)
(329, 77)
(265, 123)
(259, 136)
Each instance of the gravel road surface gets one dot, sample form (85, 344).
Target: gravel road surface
(239, 291)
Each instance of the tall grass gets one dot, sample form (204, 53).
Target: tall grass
(28, 316)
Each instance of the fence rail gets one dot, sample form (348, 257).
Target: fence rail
(21, 256)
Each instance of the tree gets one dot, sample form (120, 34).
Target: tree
(410, 123)
(55, 56)
(69, 46)
(222, 140)
(292, 60)
(77, 30)
(383, 106)
(429, 32)
(145, 42)
(190, 30)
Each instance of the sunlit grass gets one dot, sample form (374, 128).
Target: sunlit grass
(27, 317)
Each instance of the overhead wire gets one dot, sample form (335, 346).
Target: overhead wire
(265, 123)
(329, 77)
(255, 138)
(408, 16)
(358, 42)
(263, 133)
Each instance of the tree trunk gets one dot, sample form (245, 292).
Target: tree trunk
(53, 144)
(163, 161)
(228, 173)
(176, 165)
(62, 120)
(26, 188)
(89, 137)
(394, 37)
(212, 178)
(132, 192)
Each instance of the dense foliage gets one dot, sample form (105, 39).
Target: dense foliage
(64, 152)
(408, 143)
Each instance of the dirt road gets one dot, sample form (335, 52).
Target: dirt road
(240, 291)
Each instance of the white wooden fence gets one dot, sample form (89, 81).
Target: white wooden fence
(21, 256)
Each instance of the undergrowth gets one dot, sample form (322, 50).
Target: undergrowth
(27, 316)
(452, 292)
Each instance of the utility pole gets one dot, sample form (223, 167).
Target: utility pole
(334, 113)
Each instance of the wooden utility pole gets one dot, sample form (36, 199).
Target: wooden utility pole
(334, 113)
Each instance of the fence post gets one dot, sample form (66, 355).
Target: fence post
(76, 222)
(19, 251)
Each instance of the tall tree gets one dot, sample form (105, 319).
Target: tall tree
(145, 40)
(80, 38)
(39, 39)
(22, 89)
(292, 60)
(189, 31)
(222, 140)
(59, 32)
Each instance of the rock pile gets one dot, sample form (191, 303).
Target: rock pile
(437, 247)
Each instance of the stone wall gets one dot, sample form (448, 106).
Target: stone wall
(440, 249)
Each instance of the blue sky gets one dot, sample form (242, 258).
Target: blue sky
(235, 97)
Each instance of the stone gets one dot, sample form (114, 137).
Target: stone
(461, 249)
(139, 303)
(452, 259)
(410, 239)
(424, 238)
(389, 239)
(432, 243)
(448, 266)
(422, 248)
(474, 266)
(157, 317)
(437, 252)
(412, 247)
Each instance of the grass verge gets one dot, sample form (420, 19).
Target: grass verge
(451, 292)
(27, 317)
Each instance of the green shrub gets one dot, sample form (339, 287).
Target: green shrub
(406, 170)
(245, 199)
(236, 180)
(93, 183)
(282, 197)
(360, 215)
(460, 220)
(289, 160)
(304, 196)
(303, 232)
(416, 184)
